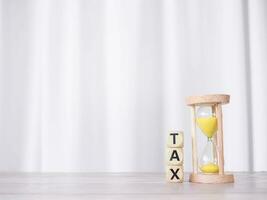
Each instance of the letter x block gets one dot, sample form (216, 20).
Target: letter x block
(174, 174)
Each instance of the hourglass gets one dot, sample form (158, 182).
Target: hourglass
(206, 113)
(207, 122)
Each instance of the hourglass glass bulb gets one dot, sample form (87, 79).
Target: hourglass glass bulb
(206, 121)
(208, 160)
(204, 111)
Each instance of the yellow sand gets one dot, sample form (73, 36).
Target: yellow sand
(210, 168)
(208, 125)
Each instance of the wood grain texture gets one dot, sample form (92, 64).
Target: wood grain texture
(220, 138)
(208, 99)
(80, 186)
(211, 178)
(194, 142)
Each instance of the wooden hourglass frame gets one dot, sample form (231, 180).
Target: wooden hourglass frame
(216, 102)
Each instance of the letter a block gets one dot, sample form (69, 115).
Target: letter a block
(175, 139)
(174, 156)
(175, 174)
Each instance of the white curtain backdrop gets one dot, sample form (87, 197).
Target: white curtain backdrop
(95, 85)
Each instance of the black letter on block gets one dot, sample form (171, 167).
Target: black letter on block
(174, 155)
(174, 174)
(173, 137)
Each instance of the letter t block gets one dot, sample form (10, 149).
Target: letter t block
(175, 139)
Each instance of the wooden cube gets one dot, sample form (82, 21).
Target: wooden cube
(174, 156)
(175, 139)
(175, 174)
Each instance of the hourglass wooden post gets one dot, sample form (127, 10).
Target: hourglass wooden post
(206, 114)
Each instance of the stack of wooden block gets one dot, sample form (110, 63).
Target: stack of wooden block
(175, 157)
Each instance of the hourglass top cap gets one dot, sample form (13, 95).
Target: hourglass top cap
(208, 99)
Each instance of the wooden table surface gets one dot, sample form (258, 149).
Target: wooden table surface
(125, 186)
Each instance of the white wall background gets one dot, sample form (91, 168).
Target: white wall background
(95, 85)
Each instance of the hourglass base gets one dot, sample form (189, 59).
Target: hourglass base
(211, 178)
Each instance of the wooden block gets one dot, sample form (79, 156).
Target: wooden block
(175, 139)
(174, 156)
(175, 174)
